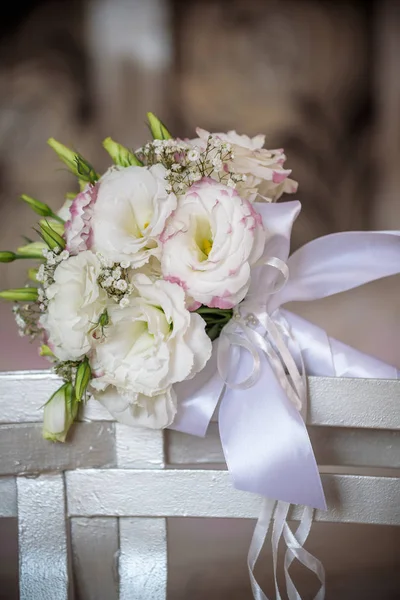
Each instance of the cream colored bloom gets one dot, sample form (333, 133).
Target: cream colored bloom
(129, 214)
(265, 177)
(152, 344)
(75, 303)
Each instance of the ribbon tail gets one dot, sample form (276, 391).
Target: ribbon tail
(326, 356)
(339, 262)
(257, 542)
(198, 398)
(263, 436)
(295, 543)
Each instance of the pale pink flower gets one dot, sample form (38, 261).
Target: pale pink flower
(265, 176)
(209, 244)
(78, 228)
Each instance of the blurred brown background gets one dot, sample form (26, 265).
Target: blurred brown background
(319, 77)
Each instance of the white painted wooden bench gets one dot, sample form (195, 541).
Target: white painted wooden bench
(110, 489)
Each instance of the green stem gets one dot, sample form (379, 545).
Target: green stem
(215, 311)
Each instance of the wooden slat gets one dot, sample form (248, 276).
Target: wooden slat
(23, 449)
(143, 559)
(335, 402)
(8, 497)
(95, 547)
(139, 448)
(42, 535)
(342, 402)
(196, 493)
(332, 446)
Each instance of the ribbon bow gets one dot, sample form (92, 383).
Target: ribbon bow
(261, 413)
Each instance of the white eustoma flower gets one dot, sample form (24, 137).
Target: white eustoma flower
(152, 344)
(75, 303)
(129, 214)
(265, 177)
(210, 242)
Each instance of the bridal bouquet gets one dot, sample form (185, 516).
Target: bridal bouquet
(159, 294)
(141, 270)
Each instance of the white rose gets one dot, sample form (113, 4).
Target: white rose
(152, 344)
(75, 304)
(263, 168)
(130, 212)
(210, 242)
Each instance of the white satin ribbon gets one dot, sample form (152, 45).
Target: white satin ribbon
(253, 330)
(277, 513)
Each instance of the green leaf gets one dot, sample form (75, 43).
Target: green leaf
(78, 165)
(121, 155)
(27, 294)
(83, 376)
(157, 128)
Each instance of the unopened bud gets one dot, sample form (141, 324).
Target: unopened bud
(44, 350)
(33, 250)
(51, 237)
(59, 414)
(39, 207)
(157, 128)
(74, 161)
(27, 294)
(121, 155)
(83, 376)
(56, 226)
(7, 257)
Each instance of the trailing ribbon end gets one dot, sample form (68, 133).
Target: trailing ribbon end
(266, 444)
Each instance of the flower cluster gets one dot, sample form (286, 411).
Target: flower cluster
(187, 162)
(153, 259)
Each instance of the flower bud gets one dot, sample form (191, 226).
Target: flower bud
(39, 207)
(74, 161)
(83, 376)
(27, 294)
(7, 257)
(51, 237)
(157, 128)
(45, 351)
(57, 227)
(121, 155)
(59, 414)
(33, 250)
(32, 274)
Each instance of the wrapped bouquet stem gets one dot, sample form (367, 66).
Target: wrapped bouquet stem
(160, 293)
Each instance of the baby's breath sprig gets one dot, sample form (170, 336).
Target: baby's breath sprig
(114, 279)
(67, 369)
(27, 319)
(45, 274)
(185, 163)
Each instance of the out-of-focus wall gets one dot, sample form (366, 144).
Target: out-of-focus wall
(318, 77)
